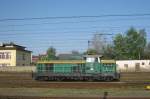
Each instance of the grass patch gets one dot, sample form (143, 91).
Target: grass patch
(72, 92)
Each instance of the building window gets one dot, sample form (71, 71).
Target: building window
(137, 66)
(5, 55)
(126, 66)
(96, 59)
(4, 64)
(143, 63)
(23, 56)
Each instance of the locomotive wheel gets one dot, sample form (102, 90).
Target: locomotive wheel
(108, 78)
(42, 78)
(59, 79)
(90, 79)
(45, 78)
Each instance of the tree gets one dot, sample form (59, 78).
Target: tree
(131, 45)
(136, 42)
(97, 44)
(43, 58)
(51, 53)
(109, 52)
(143, 42)
(146, 54)
(120, 46)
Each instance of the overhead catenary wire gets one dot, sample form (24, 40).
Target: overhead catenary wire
(67, 28)
(75, 22)
(48, 31)
(72, 17)
(77, 29)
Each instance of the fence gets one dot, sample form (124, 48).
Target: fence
(18, 69)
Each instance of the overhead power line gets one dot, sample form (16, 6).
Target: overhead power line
(74, 17)
(69, 29)
(63, 29)
(76, 22)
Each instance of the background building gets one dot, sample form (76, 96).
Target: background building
(35, 59)
(14, 55)
(133, 65)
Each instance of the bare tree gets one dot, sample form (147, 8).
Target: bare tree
(98, 43)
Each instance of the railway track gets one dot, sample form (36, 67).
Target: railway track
(37, 84)
(65, 97)
(17, 80)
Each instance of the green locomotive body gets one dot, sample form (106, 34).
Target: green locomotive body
(91, 68)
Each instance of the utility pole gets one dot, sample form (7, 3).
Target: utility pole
(98, 41)
(88, 44)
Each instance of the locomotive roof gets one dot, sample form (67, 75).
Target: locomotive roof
(108, 61)
(63, 61)
(73, 62)
(92, 56)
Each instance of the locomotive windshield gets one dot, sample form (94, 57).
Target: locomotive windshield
(92, 58)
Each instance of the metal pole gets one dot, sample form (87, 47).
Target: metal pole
(88, 44)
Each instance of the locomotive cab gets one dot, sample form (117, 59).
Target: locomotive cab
(92, 63)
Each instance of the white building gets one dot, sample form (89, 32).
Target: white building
(133, 65)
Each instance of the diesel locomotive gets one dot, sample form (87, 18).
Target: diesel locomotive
(90, 68)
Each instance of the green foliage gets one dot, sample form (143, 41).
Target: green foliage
(51, 53)
(120, 48)
(42, 58)
(109, 52)
(131, 45)
(146, 54)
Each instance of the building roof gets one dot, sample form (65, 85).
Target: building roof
(69, 57)
(35, 58)
(12, 46)
(92, 56)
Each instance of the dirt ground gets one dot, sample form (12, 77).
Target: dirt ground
(34, 97)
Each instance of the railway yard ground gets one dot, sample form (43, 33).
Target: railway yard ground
(19, 85)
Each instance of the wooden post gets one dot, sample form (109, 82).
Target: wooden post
(105, 95)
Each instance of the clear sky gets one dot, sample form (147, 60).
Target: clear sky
(68, 34)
